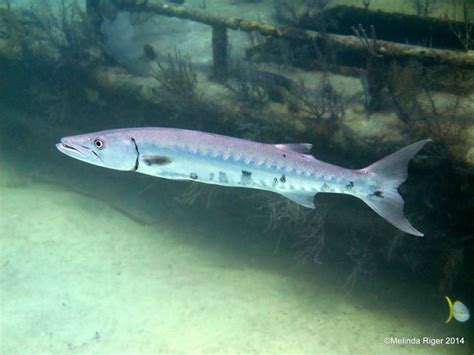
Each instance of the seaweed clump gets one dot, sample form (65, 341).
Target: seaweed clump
(244, 82)
(288, 11)
(51, 52)
(66, 33)
(411, 89)
(326, 103)
(464, 31)
(177, 80)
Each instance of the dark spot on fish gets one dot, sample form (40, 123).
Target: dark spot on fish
(350, 185)
(211, 176)
(283, 179)
(325, 187)
(150, 160)
(284, 155)
(246, 177)
(193, 176)
(378, 193)
(275, 181)
(149, 51)
(223, 177)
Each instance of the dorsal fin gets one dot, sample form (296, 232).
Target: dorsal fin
(304, 148)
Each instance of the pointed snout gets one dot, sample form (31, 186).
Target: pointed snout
(75, 147)
(71, 149)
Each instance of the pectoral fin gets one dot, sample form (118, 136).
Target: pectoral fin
(305, 199)
(150, 160)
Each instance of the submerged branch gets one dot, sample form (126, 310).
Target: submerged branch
(425, 55)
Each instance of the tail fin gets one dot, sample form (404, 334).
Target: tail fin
(393, 171)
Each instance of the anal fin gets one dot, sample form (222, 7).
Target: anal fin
(305, 199)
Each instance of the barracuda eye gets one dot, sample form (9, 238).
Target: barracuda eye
(99, 143)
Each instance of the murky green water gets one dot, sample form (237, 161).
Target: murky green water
(96, 261)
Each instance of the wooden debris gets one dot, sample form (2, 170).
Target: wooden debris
(427, 56)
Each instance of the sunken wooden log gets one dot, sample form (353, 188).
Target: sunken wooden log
(394, 27)
(427, 56)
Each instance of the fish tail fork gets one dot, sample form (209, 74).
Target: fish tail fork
(392, 171)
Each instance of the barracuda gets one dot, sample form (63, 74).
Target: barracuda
(287, 169)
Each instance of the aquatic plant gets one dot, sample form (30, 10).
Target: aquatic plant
(403, 87)
(451, 269)
(311, 241)
(361, 256)
(303, 228)
(252, 128)
(282, 212)
(370, 43)
(424, 7)
(411, 90)
(68, 31)
(206, 195)
(373, 77)
(55, 50)
(7, 4)
(464, 32)
(177, 79)
(245, 83)
(293, 11)
(324, 104)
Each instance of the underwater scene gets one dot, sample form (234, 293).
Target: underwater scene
(236, 177)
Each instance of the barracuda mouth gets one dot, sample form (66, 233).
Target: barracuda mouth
(69, 149)
(79, 152)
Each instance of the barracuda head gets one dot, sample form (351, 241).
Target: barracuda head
(109, 149)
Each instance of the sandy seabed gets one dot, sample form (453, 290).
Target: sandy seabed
(78, 276)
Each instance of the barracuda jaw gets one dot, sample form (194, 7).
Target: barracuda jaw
(78, 152)
(69, 150)
(108, 149)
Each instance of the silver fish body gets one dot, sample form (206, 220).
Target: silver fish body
(287, 169)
